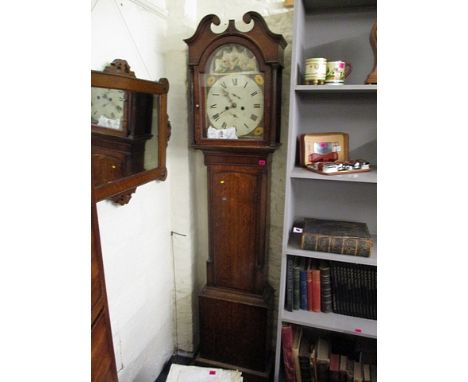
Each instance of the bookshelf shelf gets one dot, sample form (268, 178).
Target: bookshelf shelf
(336, 30)
(336, 89)
(294, 249)
(363, 177)
(331, 321)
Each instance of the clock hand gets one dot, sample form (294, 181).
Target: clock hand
(226, 93)
(235, 95)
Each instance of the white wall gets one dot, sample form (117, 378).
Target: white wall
(136, 238)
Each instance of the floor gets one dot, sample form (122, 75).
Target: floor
(175, 359)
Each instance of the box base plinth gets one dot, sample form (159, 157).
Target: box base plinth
(235, 331)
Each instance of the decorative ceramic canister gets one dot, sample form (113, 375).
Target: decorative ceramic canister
(315, 71)
(337, 71)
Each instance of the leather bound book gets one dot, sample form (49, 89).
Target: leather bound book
(304, 360)
(351, 274)
(295, 352)
(334, 285)
(287, 335)
(366, 376)
(349, 290)
(310, 292)
(345, 304)
(316, 297)
(325, 288)
(313, 362)
(336, 236)
(303, 291)
(343, 371)
(373, 373)
(368, 278)
(322, 363)
(334, 371)
(288, 305)
(350, 370)
(358, 372)
(364, 303)
(296, 287)
(374, 294)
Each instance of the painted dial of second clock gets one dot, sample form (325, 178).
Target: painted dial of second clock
(235, 100)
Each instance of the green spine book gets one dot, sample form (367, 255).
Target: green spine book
(341, 237)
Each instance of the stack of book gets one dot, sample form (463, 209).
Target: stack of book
(328, 286)
(316, 360)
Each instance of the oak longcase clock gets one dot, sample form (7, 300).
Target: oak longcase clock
(236, 105)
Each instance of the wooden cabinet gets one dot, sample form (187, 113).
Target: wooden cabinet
(336, 30)
(103, 368)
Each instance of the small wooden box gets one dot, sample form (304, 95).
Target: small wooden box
(322, 143)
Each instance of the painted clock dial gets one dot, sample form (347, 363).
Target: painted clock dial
(234, 95)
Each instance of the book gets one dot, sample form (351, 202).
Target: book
(304, 360)
(289, 284)
(343, 371)
(336, 236)
(325, 288)
(322, 362)
(334, 371)
(373, 372)
(313, 361)
(296, 285)
(303, 291)
(366, 376)
(316, 298)
(310, 292)
(287, 336)
(357, 372)
(350, 370)
(295, 352)
(353, 291)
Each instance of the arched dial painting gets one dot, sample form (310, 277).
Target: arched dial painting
(234, 95)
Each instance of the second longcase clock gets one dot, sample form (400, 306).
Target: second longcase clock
(236, 88)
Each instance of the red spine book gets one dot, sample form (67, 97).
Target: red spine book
(334, 371)
(315, 290)
(286, 344)
(310, 291)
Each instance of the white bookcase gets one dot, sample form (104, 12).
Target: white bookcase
(336, 30)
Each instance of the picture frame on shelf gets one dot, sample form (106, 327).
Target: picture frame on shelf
(323, 147)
